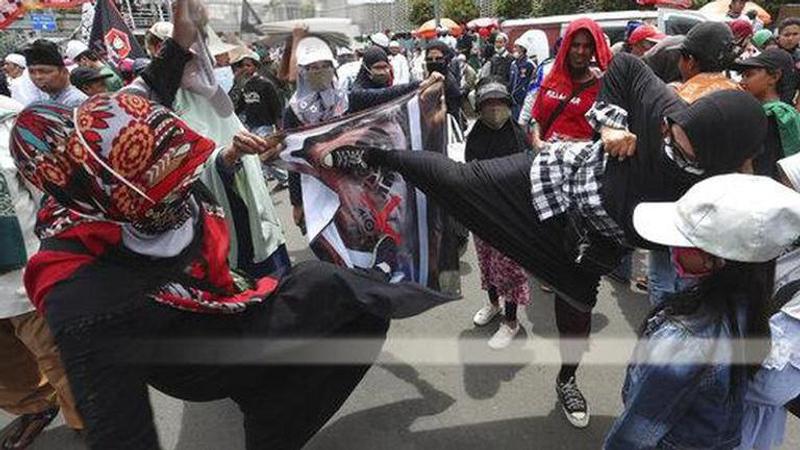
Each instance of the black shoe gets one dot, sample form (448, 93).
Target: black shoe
(573, 403)
(346, 157)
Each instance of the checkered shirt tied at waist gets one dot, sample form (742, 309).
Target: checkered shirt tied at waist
(570, 174)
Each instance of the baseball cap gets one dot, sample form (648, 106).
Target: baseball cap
(242, 55)
(773, 58)
(645, 32)
(84, 75)
(710, 42)
(761, 37)
(492, 90)
(313, 49)
(737, 217)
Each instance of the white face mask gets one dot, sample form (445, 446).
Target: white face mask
(224, 77)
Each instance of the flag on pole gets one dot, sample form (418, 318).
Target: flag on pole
(110, 35)
(249, 19)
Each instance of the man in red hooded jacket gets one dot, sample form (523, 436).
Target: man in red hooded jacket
(571, 87)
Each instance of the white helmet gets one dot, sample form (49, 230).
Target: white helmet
(313, 49)
(75, 48)
(161, 30)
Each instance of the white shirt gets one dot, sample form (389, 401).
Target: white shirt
(400, 69)
(24, 91)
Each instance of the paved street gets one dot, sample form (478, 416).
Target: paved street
(400, 405)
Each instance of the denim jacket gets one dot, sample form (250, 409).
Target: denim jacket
(676, 405)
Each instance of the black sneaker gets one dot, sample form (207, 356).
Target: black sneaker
(346, 157)
(573, 403)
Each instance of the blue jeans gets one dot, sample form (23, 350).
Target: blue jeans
(662, 277)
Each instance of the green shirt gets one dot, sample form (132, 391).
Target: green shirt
(114, 82)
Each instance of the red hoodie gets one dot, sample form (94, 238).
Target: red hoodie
(558, 85)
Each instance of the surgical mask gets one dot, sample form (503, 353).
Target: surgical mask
(436, 66)
(495, 116)
(224, 77)
(320, 79)
(516, 55)
(499, 48)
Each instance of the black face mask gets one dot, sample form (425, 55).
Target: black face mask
(436, 66)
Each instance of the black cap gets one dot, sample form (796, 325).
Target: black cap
(43, 52)
(773, 58)
(81, 76)
(492, 89)
(710, 43)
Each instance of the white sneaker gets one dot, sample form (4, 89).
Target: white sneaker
(486, 314)
(503, 337)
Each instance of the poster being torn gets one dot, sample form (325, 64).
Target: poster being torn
(347, 214)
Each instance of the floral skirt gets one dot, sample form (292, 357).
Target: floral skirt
(508, 278)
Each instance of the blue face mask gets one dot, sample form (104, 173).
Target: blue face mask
(224, 77)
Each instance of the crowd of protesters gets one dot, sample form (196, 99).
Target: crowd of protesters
(136, 216)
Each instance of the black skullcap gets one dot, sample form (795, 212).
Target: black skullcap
(43, 52)
(725, 128)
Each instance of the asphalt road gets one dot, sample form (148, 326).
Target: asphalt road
(405, 405)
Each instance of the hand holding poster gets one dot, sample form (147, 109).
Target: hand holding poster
(349, 213)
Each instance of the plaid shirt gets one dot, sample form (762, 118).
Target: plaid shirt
(570, 174)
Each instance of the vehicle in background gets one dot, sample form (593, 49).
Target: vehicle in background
(670, 21)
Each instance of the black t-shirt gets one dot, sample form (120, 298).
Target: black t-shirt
(259, 103)
(765, 163)
(486, 143)
(790, 82)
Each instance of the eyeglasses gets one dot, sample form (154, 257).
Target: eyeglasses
(677, 153)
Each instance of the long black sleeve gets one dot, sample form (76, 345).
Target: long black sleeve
(165, 72)
(361, 99)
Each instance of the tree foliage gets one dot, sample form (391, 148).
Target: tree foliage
(513, 9)
(461, 11)
(420, 12)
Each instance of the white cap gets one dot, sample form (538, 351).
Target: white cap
(791, 168)
(313, 49)
(16, 58)
(736, 217)
(74, 49)
(501, 35)
(379, 39)
(395, 44)
(161, 30)
(248, 54)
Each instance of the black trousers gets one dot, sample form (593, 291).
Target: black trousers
(112, 356)
(492, 198)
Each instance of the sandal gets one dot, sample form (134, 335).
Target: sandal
(21, 433)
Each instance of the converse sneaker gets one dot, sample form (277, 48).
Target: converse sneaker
(503, 337)
(573, 403)
(486, 314)
(346, 157)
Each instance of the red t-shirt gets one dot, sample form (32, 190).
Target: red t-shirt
(571, 123)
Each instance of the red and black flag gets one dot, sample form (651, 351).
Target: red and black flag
(110, 35)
